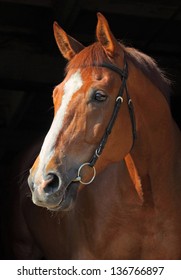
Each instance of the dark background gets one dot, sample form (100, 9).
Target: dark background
(30, 63)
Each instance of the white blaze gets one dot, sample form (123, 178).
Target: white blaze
(70, 88)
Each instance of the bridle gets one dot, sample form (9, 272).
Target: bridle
(123, 73)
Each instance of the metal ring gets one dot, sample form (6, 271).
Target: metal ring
(129, 101)
(96, 152)
(93, 177)
(119, 98)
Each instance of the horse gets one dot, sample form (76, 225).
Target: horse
(107, 181)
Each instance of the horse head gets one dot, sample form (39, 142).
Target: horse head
(84, 103)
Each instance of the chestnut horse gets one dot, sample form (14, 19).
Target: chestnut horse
(109, 169)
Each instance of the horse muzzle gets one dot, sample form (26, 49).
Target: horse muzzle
(56, 191)
(53, 193)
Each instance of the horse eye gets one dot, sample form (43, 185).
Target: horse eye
(100, 96)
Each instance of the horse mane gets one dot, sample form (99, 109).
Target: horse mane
(151, 70)
(95, 55)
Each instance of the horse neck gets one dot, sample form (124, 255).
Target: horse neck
(156, 148)
(107, 204)
(112, 190)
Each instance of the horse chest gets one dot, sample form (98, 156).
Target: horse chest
(153, 239)
(109, 242)
(161, 239)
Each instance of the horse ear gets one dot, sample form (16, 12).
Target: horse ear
(67, 45)
(105, 36)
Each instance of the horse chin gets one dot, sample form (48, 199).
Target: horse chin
(68, 201)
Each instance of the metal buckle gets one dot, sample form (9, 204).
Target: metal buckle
(120, 98)
(79, 176)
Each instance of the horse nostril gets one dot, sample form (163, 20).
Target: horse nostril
(52, 183)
